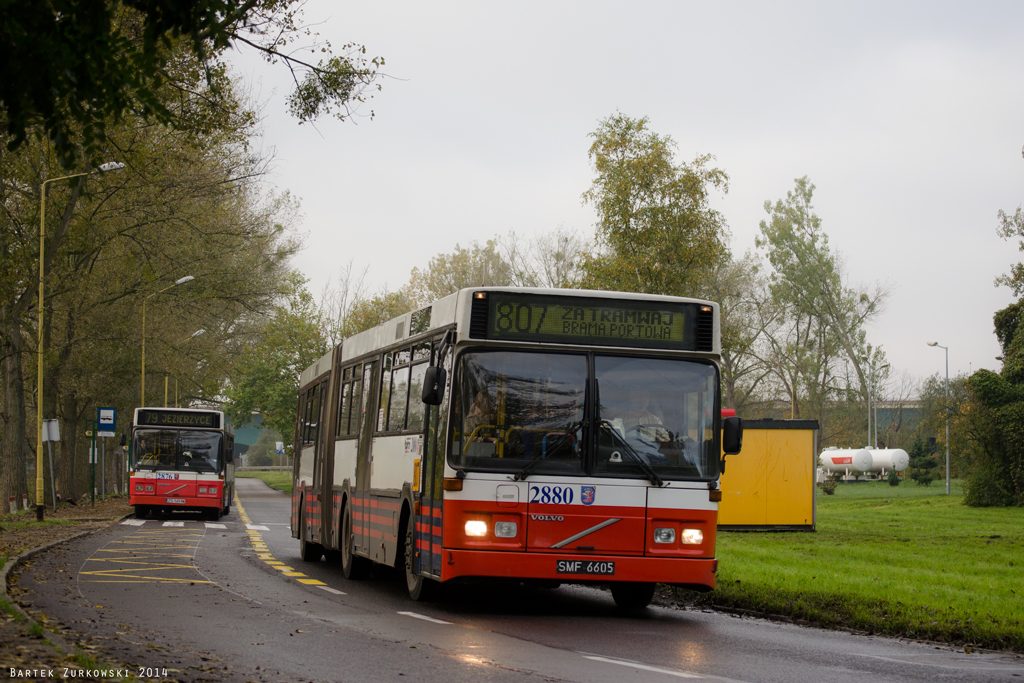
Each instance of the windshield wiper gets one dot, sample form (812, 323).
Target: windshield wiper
(648, 470)
(570, 432)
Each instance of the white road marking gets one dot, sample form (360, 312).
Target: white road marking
(211, 525)
(256, 527)
(174, 523)
(331, 590)
(643, 667)
(276, 523)
(424, 617)
(134, 522)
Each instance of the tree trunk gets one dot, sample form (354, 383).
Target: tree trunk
(13, 449)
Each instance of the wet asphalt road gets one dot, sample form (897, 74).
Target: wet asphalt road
(233, 601)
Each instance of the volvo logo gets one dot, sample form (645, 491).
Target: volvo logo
(547, 518)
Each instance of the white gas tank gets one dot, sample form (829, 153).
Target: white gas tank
(889, 459)
(846, 460)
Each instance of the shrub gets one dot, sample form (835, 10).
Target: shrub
(893, 478)
(828, 487)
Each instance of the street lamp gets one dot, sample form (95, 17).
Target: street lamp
(183, 341)
(946, 348)
(874, 391)
(103, 168)
(180, 281)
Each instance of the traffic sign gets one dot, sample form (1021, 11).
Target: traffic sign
(106, 419)
(106, 434)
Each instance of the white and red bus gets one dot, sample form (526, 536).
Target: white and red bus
(181, 459)
(524, 434)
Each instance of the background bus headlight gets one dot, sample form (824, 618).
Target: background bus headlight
(505, 529)
(693, 536)
(475, 527)
(664, 535)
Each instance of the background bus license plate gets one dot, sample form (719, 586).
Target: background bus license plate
(585, 567)
(176, 500)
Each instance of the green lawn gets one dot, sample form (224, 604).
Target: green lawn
(282, 481)
(907, 560)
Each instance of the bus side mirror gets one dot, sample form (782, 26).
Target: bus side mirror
(124, 439)
(732, 435)
(433, 385)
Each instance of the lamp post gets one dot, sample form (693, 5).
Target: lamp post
(874, 391)
(183, 341)
(103, 168)
(180, 281)
(946, 349)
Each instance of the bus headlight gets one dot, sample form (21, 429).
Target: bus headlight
(693, 536)
(664, 535)
(475, 527)
(505, 529)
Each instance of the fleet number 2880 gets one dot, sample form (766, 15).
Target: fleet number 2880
(554, 495)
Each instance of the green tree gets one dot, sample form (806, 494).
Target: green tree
(477, 266)
(73, 68)
(814, 330)
(922, 464)
(998, 478)
(656, 231)
(263, 453)
(266, 378)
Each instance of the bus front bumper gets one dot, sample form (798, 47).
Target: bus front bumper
(696, 574)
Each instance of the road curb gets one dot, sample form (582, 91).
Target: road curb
(55, 638)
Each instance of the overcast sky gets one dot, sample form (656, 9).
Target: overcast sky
(906, 116)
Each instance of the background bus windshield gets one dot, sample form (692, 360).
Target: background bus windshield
(514, 410)
(182, 450)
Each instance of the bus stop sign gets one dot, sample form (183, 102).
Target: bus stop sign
(106, 419)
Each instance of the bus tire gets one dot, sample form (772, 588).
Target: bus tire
(631, 595)
(141, 511)
(352, 566)
(309, 551)
(212, 514)
(421, 589)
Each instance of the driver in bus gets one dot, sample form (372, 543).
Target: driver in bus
(479, 425)
(638, 416)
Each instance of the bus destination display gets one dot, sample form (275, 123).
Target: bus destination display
(172, 418)
(607, 322)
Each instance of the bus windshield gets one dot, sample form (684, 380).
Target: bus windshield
(181, 450)
(532, 412)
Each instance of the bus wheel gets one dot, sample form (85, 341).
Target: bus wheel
(309, 551)
(212, 514)
(352, 566)
(141, 511)
(632, 596)
(421, 589)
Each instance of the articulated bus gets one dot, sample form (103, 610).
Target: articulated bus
(530, 435)
(181, 459)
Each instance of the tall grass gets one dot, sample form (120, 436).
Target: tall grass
(907, 560)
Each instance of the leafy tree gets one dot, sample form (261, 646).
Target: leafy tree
(550, 260)
(814, 329)
(477, 266)
(737, 286)
(73, 68)
(189, 202)
(656, 230)
(266, 377)
(263, 453)
(922, 464)
(998, 479)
